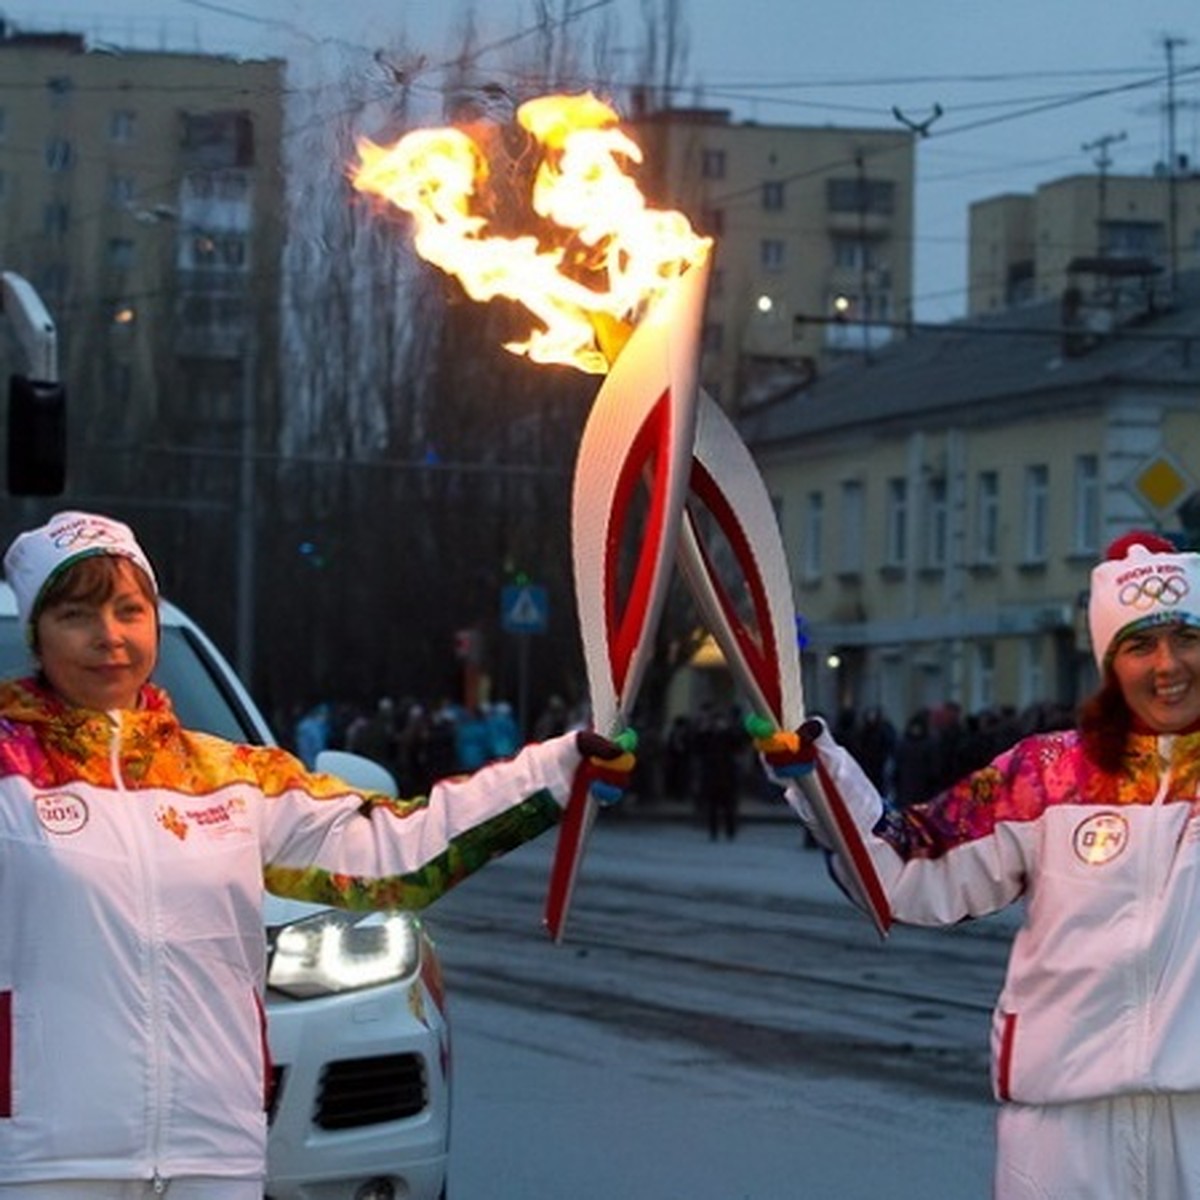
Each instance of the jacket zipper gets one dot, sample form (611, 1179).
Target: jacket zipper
(1150, 900)
(154, 962)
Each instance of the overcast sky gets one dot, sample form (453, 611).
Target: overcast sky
(1025, 85)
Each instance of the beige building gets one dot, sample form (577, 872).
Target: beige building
(142, 195)
(1025, 248)
(814, 230)
(942, 506)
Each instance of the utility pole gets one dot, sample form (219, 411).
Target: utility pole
(1103, 161)
(246, 511)
(1169, 44)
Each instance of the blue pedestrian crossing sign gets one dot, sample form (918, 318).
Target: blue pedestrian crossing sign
(524, 608)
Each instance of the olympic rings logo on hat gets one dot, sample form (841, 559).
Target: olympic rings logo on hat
(1145, 594)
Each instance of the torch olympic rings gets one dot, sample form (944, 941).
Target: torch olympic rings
(1145, 594)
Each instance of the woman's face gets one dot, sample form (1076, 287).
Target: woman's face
(1159, 673)
(97, 651)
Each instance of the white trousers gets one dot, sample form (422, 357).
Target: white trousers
(197, 1187)
(1123, 1148)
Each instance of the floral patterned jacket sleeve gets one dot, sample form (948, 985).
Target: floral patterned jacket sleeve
(327, 844)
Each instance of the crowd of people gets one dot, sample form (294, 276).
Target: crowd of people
(704, 758)
(938, 745)
(419, 741)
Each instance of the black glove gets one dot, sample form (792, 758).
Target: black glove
(608, 763)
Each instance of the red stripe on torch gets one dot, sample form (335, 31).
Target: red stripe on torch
(761, 656)
(860, 859)
(643, 462)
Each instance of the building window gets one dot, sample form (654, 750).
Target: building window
(771, 254)
(59, 155)
(855, 195)
(60, 88)
(121, 125)
(3, 124)
(1031, 683)
(218, 140)
(1133, 239)
(712, 164)
(936, 523)
(853, 254)
(983, 677)
(1086, 538)
(120, 253)
(3, 185)
(987, 517)
(773, 196)
(121, 190)
(810, 549)
(854, 526)
(896, 550)
(214, 251)
(1037, 498)
(712, 221)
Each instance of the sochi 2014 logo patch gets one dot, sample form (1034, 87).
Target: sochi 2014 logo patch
(1101, 838)
(61, 813)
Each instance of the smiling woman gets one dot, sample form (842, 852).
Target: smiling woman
(1096, 1034)
(142, 849)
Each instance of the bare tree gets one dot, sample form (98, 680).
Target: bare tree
(424, 468)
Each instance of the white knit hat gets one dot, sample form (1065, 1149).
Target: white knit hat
(37, 556)
(1143, 581)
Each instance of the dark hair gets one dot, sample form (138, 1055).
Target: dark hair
(1105, 721)
(90, 580)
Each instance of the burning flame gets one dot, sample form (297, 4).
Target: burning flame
(600, 257)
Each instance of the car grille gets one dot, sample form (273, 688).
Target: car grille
(367, 1091)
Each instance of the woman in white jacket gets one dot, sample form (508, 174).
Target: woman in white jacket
(1096, 1033)
(133, 859)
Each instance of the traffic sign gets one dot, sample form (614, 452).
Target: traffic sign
(524, 608)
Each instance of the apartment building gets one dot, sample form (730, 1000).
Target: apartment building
(1024, 247)
(814, 232)
(142, 195)
(942, 505)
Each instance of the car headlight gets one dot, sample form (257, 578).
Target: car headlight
(342, 951)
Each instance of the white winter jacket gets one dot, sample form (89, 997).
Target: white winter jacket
(133, 856)
(1102, 993)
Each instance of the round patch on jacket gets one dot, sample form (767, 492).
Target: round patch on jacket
(1099, 839)
(61, 813)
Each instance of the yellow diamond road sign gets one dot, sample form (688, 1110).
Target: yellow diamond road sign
(1161, 484)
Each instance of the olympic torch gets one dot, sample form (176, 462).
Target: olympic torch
(641, 430)
(642, 274)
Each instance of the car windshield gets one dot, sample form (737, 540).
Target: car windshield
(201, 700)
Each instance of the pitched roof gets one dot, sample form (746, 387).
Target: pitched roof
(976, 363)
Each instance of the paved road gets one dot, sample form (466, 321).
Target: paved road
(719, 1025)
(742, 947)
